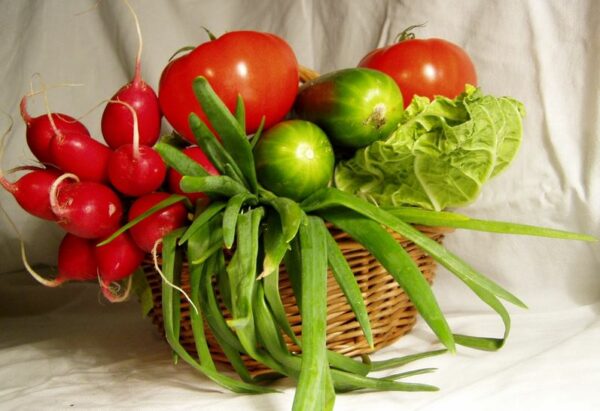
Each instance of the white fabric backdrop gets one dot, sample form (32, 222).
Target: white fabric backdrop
(62, 348)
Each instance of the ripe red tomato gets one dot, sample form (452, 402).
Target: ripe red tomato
(261, 67)
(424, 67)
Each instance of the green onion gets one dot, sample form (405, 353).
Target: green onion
(455, 220)
(172, 199)
(227, 127)
(347, 281)
(240, 112)
(222, 185)
(313, 382)
(175, 159)
(170, 309)
(215, 152)
(213, 209)
(230, 216)
(195, 272)
(398, 263)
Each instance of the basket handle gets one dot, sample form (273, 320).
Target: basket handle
(306, 74)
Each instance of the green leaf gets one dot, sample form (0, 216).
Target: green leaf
(242, 279)
(143, 291)
(171, 263)
(170, 311)
(175, 159)
(172, 199)
(448, 219)
(221, 185)
(293, 266)
(240, 112)
(212, 210)
(483, 287)
(347, 281)
(398, 263)
(224, 288)
(256, 137)
(212, 310)
(214, 317)
(231, 213)
(227, 127)
(510, 136)
(328, 198)
(213, 149)
(272, 339)
(351, 382)
(275, 248)
(486, 343)
(196, 271)
(412, 373)
(208, 239)
(401, 361)
(342, 380)
(313, 382)
(242, 268)
(290, 214)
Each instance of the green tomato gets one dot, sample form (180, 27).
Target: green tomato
(355, 106)
(294, 159)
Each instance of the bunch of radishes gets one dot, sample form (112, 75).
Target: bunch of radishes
(90, 189)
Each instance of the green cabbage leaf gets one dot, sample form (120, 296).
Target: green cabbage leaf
(440, 155)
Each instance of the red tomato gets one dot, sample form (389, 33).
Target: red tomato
(424, 67)
(261, 67)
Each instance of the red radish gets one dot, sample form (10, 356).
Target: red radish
(76, 259)
(117, 121)
(135, 170)
(118, 259)
(157, 225)
(174, 178)
(76, 262)
(85, 209)
(32, 190)
(81, 155)
(136, 175)
(41, 130)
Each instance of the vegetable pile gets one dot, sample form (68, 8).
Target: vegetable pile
(248, 180)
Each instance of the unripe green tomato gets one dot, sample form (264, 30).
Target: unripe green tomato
(355, 106)
(294, 159)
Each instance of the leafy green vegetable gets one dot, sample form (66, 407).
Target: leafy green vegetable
(441, 154)
(143, 291)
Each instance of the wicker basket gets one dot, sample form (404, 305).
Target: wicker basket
(390, 311)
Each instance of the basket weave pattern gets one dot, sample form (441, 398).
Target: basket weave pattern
(391, 312)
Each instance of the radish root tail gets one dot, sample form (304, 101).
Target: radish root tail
(137, 77)
(112, 292)
(38, 277)
(170, 284)
(54, 192)
(3, 142)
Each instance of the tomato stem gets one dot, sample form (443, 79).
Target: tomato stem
(181, 50)
(211, 36)
(407, 33)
